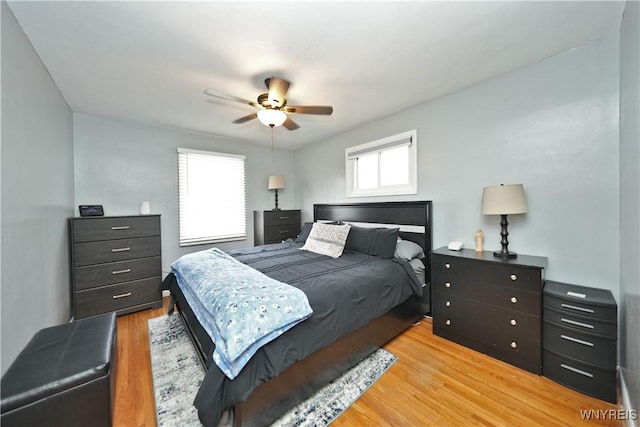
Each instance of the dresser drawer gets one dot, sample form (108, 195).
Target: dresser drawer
(117, 297)
(522, 352)
(580, 323)
(94, 229)
(514, 323)
(277, 218)
(116, 272)
(115, 250)
(575, 306)
(502, 296)
(279, 233)
(516, 276)
(585, 378)
(591, 349)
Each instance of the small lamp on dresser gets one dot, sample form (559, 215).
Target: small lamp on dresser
(276, 182)
(504, 200)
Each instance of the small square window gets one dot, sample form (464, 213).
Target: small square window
(383, 167)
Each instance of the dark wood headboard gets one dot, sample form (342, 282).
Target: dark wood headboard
(414, 218)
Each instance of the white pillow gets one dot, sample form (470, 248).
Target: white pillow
(327, 239)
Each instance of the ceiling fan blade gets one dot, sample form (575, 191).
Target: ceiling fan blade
(309, 109)
(223, 95)
(277, 90)
(290, 124)
(246, 118)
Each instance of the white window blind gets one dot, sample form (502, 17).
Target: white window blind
(383, 167)
(211, 197)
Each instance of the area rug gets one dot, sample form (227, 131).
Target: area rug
(177, 375)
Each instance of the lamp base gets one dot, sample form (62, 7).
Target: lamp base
(501, 254)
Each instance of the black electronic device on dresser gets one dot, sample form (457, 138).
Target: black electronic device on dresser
(580, 329)
(115, 264)
(490, 304)
(275, 226)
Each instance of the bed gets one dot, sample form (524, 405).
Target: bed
(291, 368)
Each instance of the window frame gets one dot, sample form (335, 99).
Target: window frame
(185, 241)
(378, 146)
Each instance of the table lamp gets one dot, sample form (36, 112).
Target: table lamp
(276, 182)
(504, 200)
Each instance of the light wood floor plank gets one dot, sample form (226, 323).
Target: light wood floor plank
(435, 382)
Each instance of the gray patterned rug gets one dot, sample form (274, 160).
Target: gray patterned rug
(177, 375)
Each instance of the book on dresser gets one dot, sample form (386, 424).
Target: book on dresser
(275, 226)
(490, 304)
(116, 264)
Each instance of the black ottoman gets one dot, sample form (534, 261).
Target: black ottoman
(65, 376)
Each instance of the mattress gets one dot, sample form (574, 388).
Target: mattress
(345, 294)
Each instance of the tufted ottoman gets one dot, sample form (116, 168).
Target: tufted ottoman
(65, 376)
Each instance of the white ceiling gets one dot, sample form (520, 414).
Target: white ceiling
(149, 62)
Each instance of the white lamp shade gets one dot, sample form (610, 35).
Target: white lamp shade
(272, 118)
(276, 182)
(504, 200)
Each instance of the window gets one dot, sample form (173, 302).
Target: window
(382, 168)
(211, 197)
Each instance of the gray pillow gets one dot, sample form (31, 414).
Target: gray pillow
(304, 232)
(380, 242)
(408, 250)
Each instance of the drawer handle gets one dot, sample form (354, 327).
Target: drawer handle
(514, 344)
(513, 322)
(128, 294)
(284, 217)
(576, 370)
(121, 227)
(121, 249)
(448, 322)
(127, 270)
(514, 277)
(514, 300)
(576, 340)
(573, 322)
(448, 303)
(447, 266)
(573, 307)
(284, 231)
(447, 285)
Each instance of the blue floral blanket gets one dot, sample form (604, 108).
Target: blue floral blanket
(240, 308)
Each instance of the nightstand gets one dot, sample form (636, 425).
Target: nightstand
(275, 226)
(580, 331)
(490, 304)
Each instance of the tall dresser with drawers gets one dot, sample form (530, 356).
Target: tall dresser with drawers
(115, 264)
(275, 226)
(580, 330)
(490, 304)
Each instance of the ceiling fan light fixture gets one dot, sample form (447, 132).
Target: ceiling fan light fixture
(272, 118)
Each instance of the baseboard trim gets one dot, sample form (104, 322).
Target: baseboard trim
(627, 406)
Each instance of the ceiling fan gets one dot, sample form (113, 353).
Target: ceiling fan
(272, 106)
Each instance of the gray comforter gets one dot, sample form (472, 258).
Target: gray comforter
(344, 293)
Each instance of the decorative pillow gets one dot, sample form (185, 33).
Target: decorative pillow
(304, 232)
(327, 239)
(380, 242)
(408, 250)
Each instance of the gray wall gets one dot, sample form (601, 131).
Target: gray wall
(37, 194)
(629, 302)
(119, 164)
(552, 126)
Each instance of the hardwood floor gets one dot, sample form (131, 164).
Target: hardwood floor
(435, 382)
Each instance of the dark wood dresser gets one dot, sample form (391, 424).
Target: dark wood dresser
(275, 226)
(490, 304)
(580, 330)
(115, 264)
